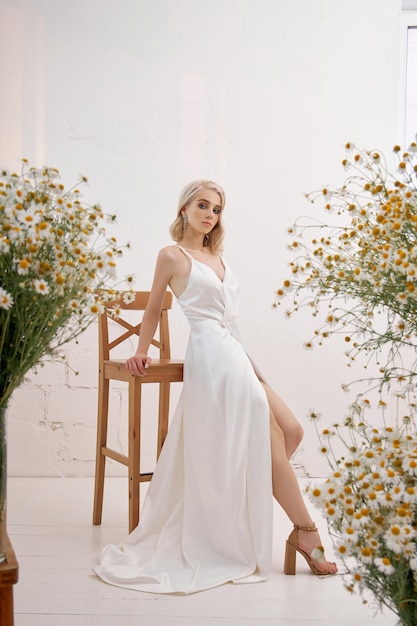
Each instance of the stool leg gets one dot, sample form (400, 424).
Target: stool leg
(163, 413)
(135, 395)
(6, 605)
(102, 422)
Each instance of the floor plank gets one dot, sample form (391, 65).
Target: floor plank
(49, 522)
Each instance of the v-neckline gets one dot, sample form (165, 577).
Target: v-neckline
(221, 280)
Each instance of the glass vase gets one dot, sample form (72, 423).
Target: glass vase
(3, 485)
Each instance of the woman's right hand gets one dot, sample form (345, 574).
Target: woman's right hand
(138, 363)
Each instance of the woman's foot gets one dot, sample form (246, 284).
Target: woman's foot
(306, 541)
(310, 543)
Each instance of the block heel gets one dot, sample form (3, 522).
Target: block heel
(289, 561)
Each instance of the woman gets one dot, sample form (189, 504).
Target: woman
(207, 516)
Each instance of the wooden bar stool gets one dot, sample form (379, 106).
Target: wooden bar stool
(162, 371)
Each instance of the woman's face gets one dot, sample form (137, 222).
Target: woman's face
(203, 211)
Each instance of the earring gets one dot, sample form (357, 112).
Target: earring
(184, 222)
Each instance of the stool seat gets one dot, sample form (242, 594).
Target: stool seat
(162, 371)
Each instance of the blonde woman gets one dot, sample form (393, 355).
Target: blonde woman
(207, 516)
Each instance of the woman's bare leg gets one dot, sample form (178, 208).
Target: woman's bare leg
(291, 428)
(287, 492)
(285, 485)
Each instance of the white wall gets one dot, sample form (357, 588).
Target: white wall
(144, 96)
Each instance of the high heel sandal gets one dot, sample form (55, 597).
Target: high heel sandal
(317, 554)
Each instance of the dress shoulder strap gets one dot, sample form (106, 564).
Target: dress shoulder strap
(187, 254)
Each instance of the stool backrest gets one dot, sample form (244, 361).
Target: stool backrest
(124, 329)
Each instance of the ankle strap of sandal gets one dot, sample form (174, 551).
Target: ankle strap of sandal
(310, 529)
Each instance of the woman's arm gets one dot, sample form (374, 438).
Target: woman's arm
(164, 269)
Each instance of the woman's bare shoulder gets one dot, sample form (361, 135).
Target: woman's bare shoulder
(173, 258)
(170, 254)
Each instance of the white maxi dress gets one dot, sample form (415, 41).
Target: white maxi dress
(207, 515)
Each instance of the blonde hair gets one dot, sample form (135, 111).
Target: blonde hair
(215, 237)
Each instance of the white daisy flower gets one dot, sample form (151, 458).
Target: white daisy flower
(41, 286)
(6, 300)
(349, 534)
(394, 538)
(129, 296)
(384, 565)
(411, 465)
(23, 266)
(4, 245)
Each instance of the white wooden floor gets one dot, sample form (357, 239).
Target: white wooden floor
(49, 522)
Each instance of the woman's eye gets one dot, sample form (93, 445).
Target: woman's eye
(202, 205)
(216, 211)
